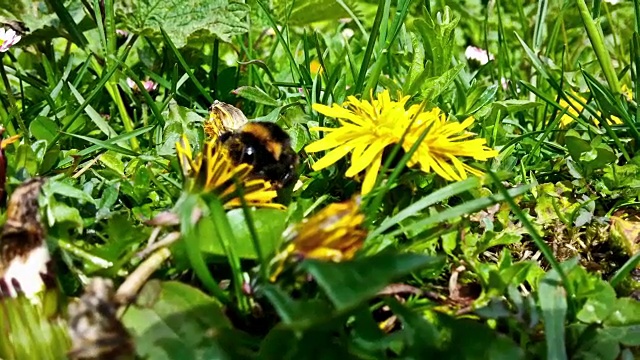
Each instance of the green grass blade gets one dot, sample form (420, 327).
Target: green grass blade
(68, 23)
(553, 303)
(433, 198)
(281, 39)
(227, 239)
(114, 140)
(80, 109)
(540, 243)
(463, 209)
(625, 270)
(188, 204)
(595, 36)
(185, 66)
(105, 145)
(539, 27)
(100, 122)
(366, 59)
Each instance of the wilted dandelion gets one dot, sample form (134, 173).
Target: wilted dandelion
(333, 234)
(368, 127)
(213, 171)
(25, 262)
(8, 38)
(94, 328)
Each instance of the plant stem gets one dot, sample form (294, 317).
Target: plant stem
(134, 282)
(14, 107)
(597, 41)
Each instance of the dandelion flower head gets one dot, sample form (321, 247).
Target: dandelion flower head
(575, 107)
(368, 127)
(213, 171)
(335, 233)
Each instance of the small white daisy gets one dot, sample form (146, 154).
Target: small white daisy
(8, 38)
(477, 54)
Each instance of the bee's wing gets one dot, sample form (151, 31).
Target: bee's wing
(224, 117)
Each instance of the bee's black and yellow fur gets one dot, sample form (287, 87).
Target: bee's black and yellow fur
(261, 144)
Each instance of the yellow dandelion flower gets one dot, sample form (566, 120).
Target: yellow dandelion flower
(627, 92)
(333, 234)
(315, 67)
(575, 108)
(444, 143)
(213, 171)
(368, 127)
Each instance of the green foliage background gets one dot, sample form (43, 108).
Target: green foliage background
(535, 260)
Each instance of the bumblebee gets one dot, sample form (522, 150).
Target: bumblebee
(261, 144)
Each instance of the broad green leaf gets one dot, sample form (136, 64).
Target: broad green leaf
(433, 87)
(490, 239)
(297, 314)
(479, 97)
(423, 335)
(39, 17)
(121, 235)
(309, 11)
(592, 343)
(516, 105)
(417, 68)
(625, 312)
(60, 213)
(604, 156)
(299, 137)
(107, 200)
(180, 121)
(576, 145)
(486, 343)
(113, 162)
(269, 224)
(599, 305)
(552, 298)
(349, 283)
(438, 37)
(55, 186)
(256, 95)
(285, 343)
(26, 158)
(178, 322)
(195, 20)
(192, 235)
(43, 128)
